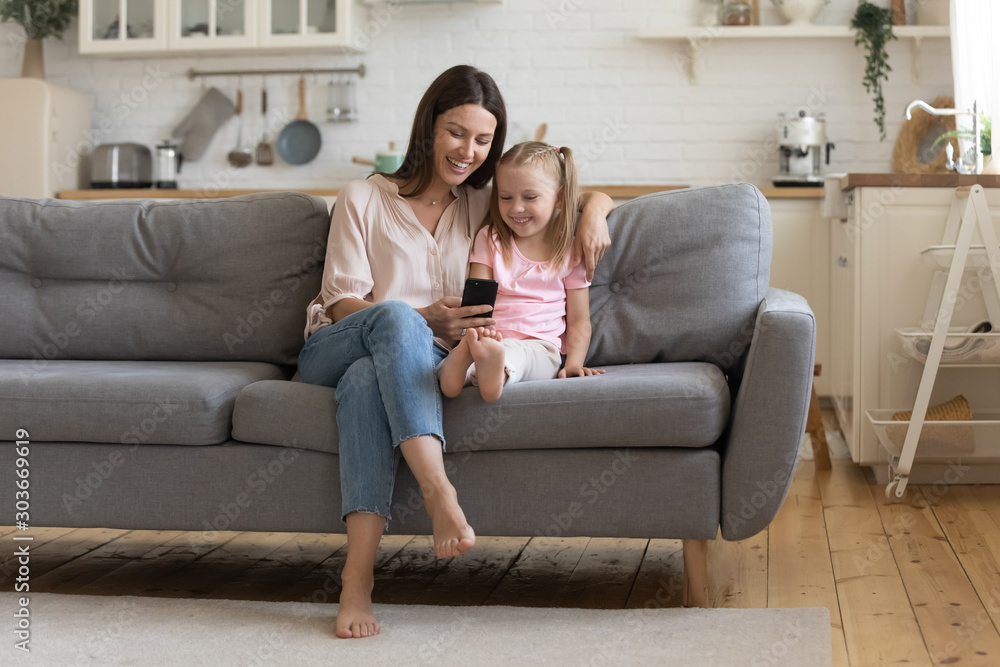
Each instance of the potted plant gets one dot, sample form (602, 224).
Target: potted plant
(40, 19)
(873, 26)
(985, 138)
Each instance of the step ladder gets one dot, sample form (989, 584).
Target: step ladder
(968, 218)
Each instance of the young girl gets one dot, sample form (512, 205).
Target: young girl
(542, 306)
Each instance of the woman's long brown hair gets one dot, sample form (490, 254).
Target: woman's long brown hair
(459, 85)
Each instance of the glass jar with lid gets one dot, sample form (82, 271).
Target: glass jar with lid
(737, 13)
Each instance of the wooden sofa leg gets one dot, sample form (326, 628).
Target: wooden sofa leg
(696, 573)
(814, 427)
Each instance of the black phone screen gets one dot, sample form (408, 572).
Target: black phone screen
(480, 292)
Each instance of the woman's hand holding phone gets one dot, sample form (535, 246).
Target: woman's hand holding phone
(447, 318)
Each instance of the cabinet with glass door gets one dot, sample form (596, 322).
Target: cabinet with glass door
(123, 26)
(184, 26)
(197, 25)
(306, 23)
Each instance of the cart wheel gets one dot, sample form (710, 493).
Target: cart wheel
(890, 491)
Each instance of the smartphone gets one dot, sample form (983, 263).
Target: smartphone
(480, 292)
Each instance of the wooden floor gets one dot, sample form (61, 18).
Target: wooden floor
(915, 583)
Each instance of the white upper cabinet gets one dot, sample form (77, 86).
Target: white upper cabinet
(199, 25)
(184, 26)
(144, 21)
(291, 23)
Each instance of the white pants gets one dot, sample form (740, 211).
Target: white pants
(524, 361)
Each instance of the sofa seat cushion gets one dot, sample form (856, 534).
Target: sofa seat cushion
(639, 405)
(156, 402)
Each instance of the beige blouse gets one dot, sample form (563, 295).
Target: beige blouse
(378, 250)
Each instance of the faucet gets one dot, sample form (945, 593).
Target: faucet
(962, 166)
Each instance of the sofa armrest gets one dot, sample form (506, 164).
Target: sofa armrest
(760, 449)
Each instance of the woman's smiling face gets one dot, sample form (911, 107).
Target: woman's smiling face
(463, 136)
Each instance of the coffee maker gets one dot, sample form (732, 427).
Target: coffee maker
(801, 141)
(168, 164)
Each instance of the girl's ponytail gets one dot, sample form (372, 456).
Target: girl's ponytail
(562, 234)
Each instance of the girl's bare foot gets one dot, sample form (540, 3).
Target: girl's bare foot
(452, 533)
(488, 353)
(455, 366)
(355, 619)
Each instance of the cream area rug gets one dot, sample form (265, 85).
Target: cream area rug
(106, 630)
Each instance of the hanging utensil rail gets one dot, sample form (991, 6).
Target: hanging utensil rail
(192, 73)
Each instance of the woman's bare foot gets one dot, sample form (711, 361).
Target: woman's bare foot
(455, 366)
(452, 533)
(488, 353)
(355, 619)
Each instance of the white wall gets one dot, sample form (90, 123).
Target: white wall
(574, 64)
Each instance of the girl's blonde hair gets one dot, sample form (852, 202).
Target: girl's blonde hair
(558, 164)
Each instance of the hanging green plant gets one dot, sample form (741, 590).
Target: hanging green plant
(873, 26)
(39, 18)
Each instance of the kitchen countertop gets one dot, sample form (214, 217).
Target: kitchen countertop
(614, 191)
(793, 193)
(622, 191)
(918, 180)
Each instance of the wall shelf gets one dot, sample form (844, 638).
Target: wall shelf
(700, 38)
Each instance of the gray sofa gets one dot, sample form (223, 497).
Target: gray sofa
(148, 348)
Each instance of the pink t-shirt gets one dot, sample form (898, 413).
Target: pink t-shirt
(531, 299)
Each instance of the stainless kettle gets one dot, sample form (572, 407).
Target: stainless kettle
(168, 165)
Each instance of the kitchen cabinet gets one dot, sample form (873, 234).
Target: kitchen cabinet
(145, 24)
(203, 25)
(879, 283)
(305, 23)
(842, 334)
(800, 264)
(230, 26)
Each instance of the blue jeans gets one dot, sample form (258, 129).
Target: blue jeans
(382, 361)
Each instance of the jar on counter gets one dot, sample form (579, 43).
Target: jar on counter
(737, 13)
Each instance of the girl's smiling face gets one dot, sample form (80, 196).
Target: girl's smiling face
(527, 197)
(463, 136)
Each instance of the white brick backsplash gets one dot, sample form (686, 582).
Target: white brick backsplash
(625, 59)
(603, 78)
(529, 41)
(624, 105)
(653, 152)
(535, 78)
(451, 25)
(626, 22)
(494, 22)
(566, 59)
(550, 21)
(495, 59)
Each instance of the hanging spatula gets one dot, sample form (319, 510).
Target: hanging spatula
(265, 156)
(239, 156)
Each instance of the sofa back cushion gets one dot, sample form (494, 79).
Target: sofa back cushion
(182, 280)
(683, 278)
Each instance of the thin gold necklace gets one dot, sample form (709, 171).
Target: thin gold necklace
(434, 203)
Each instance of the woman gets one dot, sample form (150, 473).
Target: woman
(389, 311)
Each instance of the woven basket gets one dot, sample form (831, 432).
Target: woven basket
(949, 438)
(916, 132)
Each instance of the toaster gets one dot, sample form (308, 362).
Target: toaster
(125, 165)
